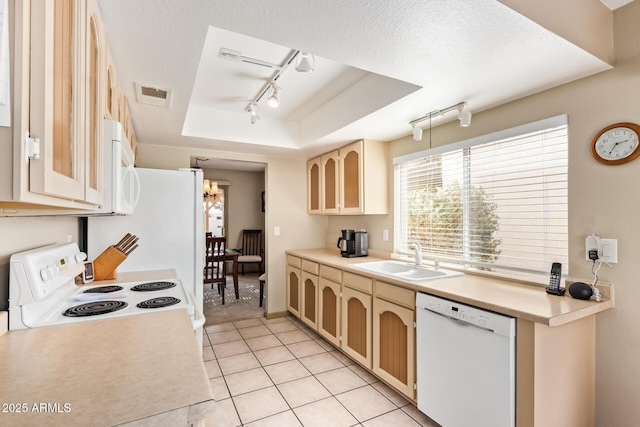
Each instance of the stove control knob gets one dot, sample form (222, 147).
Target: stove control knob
(48, 273)
(80, 257)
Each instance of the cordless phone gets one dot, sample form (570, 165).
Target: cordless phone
(554, 280)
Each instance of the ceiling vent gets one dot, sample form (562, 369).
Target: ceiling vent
(153, 96)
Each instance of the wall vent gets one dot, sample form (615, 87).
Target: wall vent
(149, 95)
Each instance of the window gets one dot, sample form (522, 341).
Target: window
(497, 201)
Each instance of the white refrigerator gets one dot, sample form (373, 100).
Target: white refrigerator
(168, 220)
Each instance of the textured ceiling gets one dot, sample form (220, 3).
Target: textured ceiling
(379, 65)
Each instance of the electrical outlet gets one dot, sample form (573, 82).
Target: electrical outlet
(385, 235)
(592, 245)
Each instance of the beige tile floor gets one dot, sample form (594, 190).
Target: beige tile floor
(281, 373)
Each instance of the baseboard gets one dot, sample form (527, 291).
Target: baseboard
(276, 315)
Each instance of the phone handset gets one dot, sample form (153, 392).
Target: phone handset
(554, 280)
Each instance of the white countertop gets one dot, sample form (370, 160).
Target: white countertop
(500, 295)
(105, 372)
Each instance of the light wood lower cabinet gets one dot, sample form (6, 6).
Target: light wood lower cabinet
(329, 310)
(309, 300)
(294, 283)
(394, 345)
(356, 325)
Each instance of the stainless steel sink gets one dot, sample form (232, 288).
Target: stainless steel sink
(403, 271)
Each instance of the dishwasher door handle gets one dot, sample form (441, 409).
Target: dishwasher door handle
(459, 321)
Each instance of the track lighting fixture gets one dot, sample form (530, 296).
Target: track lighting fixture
(274, 99)
(417, 133)
(463, 115)
(305, 62)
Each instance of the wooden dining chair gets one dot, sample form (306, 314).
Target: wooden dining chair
(215, 270)
(251, 249)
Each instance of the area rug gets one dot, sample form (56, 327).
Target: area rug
(245, 307)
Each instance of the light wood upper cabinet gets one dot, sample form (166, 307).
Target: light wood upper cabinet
(95, 59)
(58, 55)
(110, 90)
(331, 182)
(314, 186)
(353, 180)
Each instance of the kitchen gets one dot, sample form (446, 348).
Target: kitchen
(601, 199)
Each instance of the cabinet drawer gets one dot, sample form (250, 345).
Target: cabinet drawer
(360, 283)
(293, 261)
(310, 266)
(333, 274)
(396, 294)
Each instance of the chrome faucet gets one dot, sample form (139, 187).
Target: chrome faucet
(417, 252)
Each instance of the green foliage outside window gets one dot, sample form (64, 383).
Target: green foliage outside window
(436, 220)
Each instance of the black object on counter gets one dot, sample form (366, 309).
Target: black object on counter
(580, 290)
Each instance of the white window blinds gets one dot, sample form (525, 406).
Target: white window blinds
(489, 203)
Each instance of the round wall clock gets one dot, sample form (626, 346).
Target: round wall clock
(617, 144)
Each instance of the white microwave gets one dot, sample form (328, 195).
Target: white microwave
(121, 189)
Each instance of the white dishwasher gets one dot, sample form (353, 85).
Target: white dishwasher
(465, 364)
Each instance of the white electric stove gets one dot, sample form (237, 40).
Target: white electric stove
(42, 292)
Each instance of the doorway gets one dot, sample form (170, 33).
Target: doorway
(214, 208)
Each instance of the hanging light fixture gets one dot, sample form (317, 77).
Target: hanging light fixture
(274, 99)
(463, 115)
(209, 189)
(305, 63)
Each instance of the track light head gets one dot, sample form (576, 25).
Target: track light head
(465, 118)
(274, 99)
(305, 63)
(417, 133)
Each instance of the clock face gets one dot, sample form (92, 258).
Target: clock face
(617, 144)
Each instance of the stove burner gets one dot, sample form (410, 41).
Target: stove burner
(95, 308)
(103, 289)
(153, 286)
(158, 302)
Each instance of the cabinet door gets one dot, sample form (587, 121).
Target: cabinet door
(95, 61)
(56, 102)
(110, 90)
(356, 325)
(309, 300)
(330, 183)
(293, 290)
(351, 188)
(394, 345)
(329, 310)
(314, 186)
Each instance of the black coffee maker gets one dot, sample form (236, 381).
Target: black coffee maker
(353, 243)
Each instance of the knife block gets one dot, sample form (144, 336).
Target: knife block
(104, 266)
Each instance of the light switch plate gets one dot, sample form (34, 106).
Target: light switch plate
(609, 249)
(276, 231)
